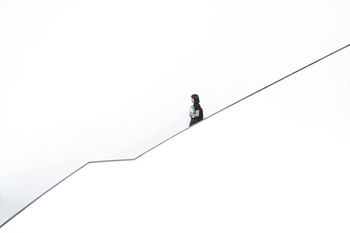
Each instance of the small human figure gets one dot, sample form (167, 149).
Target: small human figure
(196, 111)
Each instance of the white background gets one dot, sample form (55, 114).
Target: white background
(277, 162)
(91, 80)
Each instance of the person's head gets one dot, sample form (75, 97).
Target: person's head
(195, 98)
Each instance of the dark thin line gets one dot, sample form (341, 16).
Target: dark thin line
(279, 80)
(116, 160)
(271, 84)
(112, 160)
(42, 195)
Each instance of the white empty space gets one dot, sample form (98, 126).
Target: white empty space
(277, 162)
(90, 80)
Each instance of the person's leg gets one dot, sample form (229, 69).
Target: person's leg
(191, 122)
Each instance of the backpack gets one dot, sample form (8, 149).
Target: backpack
(200, 113)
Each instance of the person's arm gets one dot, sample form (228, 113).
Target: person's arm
(196, 114)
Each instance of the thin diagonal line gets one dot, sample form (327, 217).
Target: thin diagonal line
(279, 80)
(42, 195)
(240, 100)
(132, 159)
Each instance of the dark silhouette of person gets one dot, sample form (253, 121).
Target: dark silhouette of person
(196, 112)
